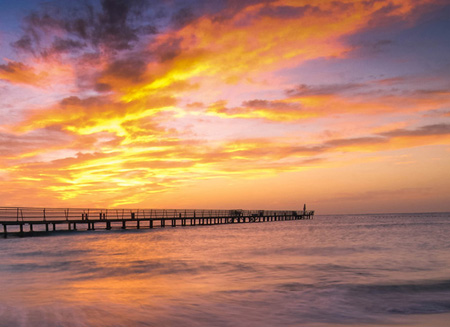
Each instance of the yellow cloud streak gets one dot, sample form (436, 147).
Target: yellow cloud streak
(231, 50)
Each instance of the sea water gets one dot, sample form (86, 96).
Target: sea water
(346, 270)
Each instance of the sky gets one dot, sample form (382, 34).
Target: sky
(258, 104)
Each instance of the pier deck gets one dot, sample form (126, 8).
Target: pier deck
(26, 221)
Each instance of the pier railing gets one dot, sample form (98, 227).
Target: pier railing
(10, 214)
(14, 219)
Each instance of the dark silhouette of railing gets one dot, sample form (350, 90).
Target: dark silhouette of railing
(73, 218)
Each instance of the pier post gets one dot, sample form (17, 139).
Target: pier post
(150, 223)
(5, 231)
(108, 225)
(46, 227)
(21, 229)
(138, 224)
(54, 226)
(124, 224)
(74, 226)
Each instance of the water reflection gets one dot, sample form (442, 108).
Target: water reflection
(285, 273)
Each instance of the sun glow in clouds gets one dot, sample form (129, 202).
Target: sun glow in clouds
(157, 105)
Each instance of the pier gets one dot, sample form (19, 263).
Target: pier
(26, 221)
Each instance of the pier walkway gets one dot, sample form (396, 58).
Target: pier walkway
(26, 221)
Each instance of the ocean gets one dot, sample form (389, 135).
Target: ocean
(343, 270)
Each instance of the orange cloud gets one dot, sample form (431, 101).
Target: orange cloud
(16, 72)
(39, 73)
(126, 129)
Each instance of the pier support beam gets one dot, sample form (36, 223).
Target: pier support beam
(5, 231)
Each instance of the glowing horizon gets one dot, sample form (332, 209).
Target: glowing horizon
(341, 105)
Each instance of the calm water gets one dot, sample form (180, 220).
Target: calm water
(330, 271)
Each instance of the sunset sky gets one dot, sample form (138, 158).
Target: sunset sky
(343, 105)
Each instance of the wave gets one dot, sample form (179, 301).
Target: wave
(419, 297)
(405, 288)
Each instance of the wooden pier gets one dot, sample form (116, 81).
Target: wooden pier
(26, 221)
